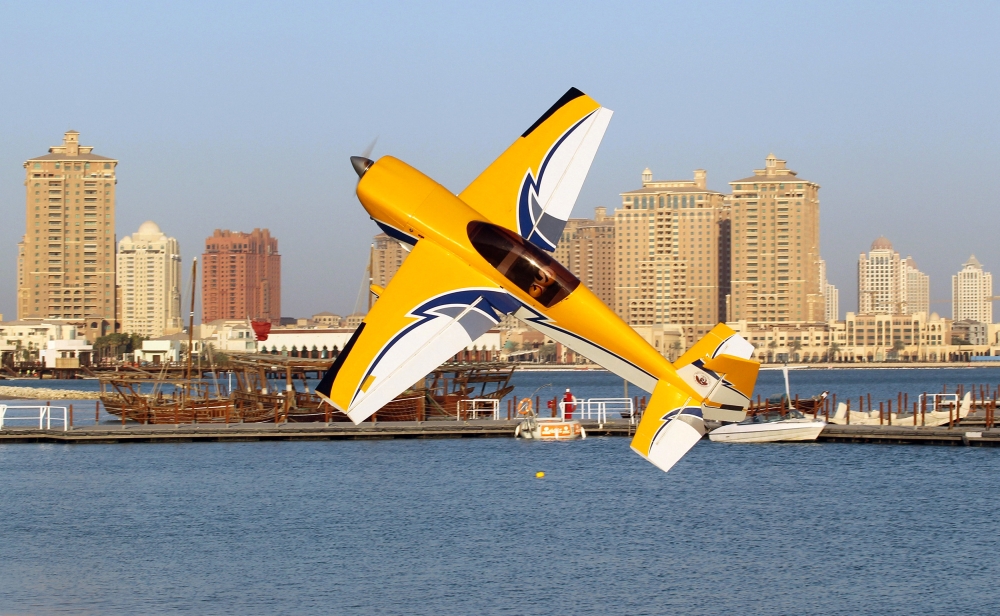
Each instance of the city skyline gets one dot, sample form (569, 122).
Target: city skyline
(875, 126)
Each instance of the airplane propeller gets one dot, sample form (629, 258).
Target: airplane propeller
(363, 162)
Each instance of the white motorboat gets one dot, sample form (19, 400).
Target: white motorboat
(769, 427)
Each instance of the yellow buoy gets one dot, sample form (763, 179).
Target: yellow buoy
(539, 474)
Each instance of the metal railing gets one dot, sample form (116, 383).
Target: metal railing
(42, 413)
(599, 408)
(473, 407)
(938, 400)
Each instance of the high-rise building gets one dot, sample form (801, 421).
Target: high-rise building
(241, 277)
(831, 296)
(775, 247)
(672, 254)
(889, 284)
(66, 258)
(387, 257)
(881, 280)
(149, 277)
(587, 249)
(918, 288)
(972, 293)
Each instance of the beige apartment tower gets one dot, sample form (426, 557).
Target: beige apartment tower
(66, 259)
(387, 256)
(587, 249)
(775, 247)
(672, 254)
(149, 279)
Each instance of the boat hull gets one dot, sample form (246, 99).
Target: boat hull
(775, 432)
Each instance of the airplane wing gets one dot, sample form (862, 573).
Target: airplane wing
(433, 307)
(532, 187)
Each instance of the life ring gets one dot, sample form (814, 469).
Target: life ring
(524, 406)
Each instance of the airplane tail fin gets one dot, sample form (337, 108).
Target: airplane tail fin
(722, 376)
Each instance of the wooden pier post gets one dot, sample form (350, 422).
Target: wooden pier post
(848, 416)
(881, 418)
(914, 414)
(538, 406)
(97, 412)
(510, 405)
(834, 405)
(869, 403)
(889, 416)
(951, 423)
(70, 417)
(923, 410)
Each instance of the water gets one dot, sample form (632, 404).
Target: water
(462, 526)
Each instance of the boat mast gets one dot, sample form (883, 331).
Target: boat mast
(194, 276)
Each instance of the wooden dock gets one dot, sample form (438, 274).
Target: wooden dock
(138, 433)
(185, 433)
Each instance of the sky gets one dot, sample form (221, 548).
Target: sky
(243, 115)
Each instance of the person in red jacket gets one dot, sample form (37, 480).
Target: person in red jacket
(568, 399)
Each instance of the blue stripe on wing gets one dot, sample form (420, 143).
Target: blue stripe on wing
(489, 306)
(529, 212)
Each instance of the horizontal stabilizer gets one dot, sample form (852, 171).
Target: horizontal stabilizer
(671, 425)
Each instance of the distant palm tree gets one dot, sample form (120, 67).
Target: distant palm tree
(795, 346)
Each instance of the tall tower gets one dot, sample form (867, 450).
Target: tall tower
(775, 247)
(971, 290)
(881, 280)
(918, 288)
(66, 259)
(387, 257)
(587, 250)
(672, 254)
(241, 277)
(149, 276)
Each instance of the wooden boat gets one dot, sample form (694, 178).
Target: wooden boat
(269, 388)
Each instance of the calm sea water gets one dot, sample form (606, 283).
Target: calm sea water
(463, 526)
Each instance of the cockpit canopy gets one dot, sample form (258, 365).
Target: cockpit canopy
(530, 268)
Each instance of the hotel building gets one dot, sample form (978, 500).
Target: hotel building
(587, 249)
(387, 256)
(241, 276)
(672, 252)
(972, 293)
(889, 284)
(149, 279)
(66, 258)
(775, 247)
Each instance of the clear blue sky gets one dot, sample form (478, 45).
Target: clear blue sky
(242, 115)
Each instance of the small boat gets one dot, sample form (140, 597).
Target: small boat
(770, 427)
(546, 428)
(956, 411)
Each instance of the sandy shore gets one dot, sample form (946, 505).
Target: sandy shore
(44, 393)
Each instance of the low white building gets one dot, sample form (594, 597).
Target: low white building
(66, 353)
(316, 342)
(33, 335)
(160, 351)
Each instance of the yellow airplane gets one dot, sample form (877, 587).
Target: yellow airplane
(483, 254)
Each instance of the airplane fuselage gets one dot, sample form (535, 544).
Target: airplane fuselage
(412, 207)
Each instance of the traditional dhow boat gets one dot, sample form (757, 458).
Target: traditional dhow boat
(269, 388)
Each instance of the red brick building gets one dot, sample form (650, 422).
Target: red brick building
(241, 276)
